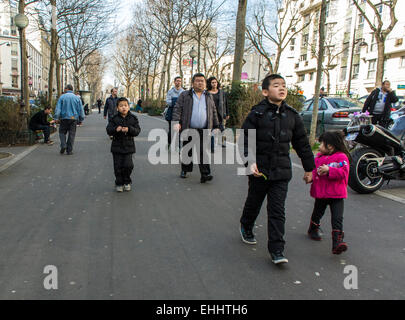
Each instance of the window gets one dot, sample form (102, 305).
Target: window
(343, 72)
(303, 57)
(14, 81)
(14, 65)
(322, 106)
(402, 62)
(356, 69)
(292, 44)
(305, 40)
(311, 76)
(301, 78)
(14, 49)
(371, 69)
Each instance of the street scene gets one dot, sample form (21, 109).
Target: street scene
(202, 150)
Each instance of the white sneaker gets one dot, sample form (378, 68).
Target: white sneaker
(120, 189)
(127, 187)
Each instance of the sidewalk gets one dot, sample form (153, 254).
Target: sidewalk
(11, 155)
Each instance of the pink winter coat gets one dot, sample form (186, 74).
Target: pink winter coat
(333, 185)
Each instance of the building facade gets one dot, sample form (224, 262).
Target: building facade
(350, 53)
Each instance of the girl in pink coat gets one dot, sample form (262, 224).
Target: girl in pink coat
(329, 187)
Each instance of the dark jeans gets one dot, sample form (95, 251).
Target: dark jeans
(204, 168)
(169, 136)
(45, 129)
(123, 166)
(336, 208)
(67, 126)
(276, 192)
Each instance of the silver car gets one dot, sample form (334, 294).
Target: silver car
(333, 113)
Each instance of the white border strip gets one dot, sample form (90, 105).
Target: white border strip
(18, 158)
(390, 196)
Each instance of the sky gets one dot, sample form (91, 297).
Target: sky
(124, 18)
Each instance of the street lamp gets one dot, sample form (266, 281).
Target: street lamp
(62, 62)
(21, 21)
(193, 54)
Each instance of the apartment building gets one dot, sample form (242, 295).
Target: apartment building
(351, 50)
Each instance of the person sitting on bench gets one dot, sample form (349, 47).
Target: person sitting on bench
(39, 122)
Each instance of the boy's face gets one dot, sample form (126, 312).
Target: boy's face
(123, 108)
(48, 111)
(277, 90)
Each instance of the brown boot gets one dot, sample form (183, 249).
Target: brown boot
(338, 245)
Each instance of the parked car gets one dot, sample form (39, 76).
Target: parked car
(333, 112)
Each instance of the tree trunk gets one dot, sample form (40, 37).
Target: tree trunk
(319, 72)
(239, 42)
(163, 76)
(58, 78)
(380, 62)
(54, 49)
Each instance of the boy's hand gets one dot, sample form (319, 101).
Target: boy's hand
(119, 128)
(255, 170)
(323, 170)
(177, 127)
(125, 129)
(308, 177)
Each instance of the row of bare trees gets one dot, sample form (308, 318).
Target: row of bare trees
(161, 36)
(78, 30)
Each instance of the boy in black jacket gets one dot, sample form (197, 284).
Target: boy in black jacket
(277, 125)
(123, 127)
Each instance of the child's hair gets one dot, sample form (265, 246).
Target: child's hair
(267, 81)
(336, 140)
(121, 100)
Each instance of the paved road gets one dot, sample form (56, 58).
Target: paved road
(173, 238)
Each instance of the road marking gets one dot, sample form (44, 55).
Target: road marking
(18, 158)
(390, 196)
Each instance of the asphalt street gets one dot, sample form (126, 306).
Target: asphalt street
(176, 239)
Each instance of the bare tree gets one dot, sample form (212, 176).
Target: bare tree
(239, 42)
(376, 24)
(267, 31)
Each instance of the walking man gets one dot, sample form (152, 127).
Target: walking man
(110, 107)
(99, 104)
(171, 100)
(69, 111)
(379, 104)
(195, 109)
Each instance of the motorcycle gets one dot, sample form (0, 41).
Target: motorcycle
(379, 155)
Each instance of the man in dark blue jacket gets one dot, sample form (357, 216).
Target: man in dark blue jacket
(110, 107)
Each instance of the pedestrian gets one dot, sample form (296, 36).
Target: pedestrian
(110, 107)
(80, 123)
(322, 93)
(138, 107)
(329, 187)
(195, 109)
(171, 99)
(69, 111)
(39, 122)
(221, 104)
(99, 104)
(123, 127)
(379, 104)
(276, 125)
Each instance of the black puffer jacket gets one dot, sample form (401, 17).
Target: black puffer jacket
(123, 142)
(372, 99)
(276, 128)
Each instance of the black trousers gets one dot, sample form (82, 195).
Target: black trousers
(123, 166)
(336, 208)
(204, 168)
(45, 129)
(276, 192)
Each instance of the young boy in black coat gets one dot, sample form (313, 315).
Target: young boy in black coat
(123, 127)
(277, 126)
